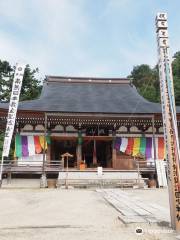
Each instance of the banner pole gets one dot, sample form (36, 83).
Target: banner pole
(1, 170)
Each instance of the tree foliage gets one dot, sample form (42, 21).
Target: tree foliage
(176, 75)
(146, 80)
(31, 86)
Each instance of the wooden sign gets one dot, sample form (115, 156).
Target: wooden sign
(169, 119)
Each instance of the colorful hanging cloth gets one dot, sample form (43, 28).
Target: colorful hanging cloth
(25, 152)
(48, 139)
(136, 147)
(124, 143)
(38, 148)
(31, 145)
(80, 140)
(117, 144)
(143, 146)
(161, 151)
(148, 147)
(18, 146)
(42, 143)
(156, 145)
(130, 145)
(152, 149)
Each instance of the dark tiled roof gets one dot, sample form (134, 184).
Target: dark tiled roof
(84, 95)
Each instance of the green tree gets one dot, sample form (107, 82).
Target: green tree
(6, 72)
(145, 79)
(176, 75)
(31, 86)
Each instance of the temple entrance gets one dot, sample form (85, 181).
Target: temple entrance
(94, 152)
(104, 153)
(102, 150)
(87, 153)
(60, 147)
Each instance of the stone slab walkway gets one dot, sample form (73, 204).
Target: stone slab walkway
(134, 210)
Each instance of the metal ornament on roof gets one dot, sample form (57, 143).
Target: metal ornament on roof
(169, 118)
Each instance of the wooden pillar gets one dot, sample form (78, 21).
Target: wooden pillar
(108, 154)
(44, 148)
(154, 142)
(79, 149)
(48, 131)
(49, 153)
(154, 145)
(43, 180)
(114, 153)
(114, 158)
(79, 154)
(94, 154)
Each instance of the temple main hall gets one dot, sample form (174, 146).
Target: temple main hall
(99, 121)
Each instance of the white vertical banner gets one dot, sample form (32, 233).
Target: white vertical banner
(13, 105)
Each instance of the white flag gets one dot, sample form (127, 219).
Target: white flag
(13, 105)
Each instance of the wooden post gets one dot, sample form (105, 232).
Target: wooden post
(154, 146)
(43, 181)
(66, 155)
(169, 119)
(114, 153)
(94, 153)
(66, 180)
(154, 142)
(114, 156)
(49, 154)
(79, 155)
(79, 149)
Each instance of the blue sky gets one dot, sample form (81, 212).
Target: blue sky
(100, 38)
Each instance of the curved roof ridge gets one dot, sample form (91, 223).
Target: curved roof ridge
(67, 79)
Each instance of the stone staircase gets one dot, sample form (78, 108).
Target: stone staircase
(108, 179)
(81, 179)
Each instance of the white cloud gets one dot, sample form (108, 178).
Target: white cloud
(49, 29)
(9, 49)
(69, 37)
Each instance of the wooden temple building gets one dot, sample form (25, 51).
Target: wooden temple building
(90, 118)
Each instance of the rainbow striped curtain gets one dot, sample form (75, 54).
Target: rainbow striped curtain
(141, 146)
(30, 145)
(136, 147)
(130, 145)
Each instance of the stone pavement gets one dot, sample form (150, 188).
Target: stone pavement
(40, 214)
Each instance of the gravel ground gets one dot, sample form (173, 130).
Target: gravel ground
(30, 214)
